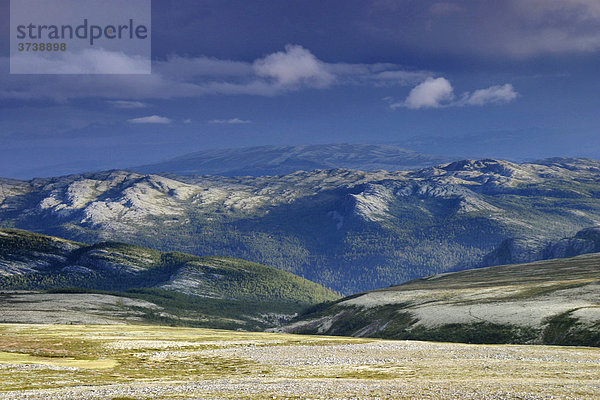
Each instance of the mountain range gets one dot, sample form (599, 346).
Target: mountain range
(282, 160)
(347, 229)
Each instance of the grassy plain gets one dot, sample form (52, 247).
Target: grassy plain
(152, 362)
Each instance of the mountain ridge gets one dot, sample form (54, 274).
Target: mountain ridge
(520, 250)
(282, 160)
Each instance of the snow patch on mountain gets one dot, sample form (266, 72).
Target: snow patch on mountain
(373, 203)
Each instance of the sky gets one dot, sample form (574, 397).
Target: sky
(511, 79)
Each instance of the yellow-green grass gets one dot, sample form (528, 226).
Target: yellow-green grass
(21, 358)
(144, 362)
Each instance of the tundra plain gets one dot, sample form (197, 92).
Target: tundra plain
(152, 362)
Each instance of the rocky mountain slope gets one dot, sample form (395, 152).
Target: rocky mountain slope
(520, 250)
(282, 160)
(551, 302)
(203, 287)
(350, 230)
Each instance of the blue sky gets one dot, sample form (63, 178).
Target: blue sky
(513, 79)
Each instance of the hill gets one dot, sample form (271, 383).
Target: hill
(282, 160)
(178, 287)
(550, 302)
(346, 229)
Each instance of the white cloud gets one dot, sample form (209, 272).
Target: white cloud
(127, 104)
(431, 93)
(187, 121)
(294, 66)
(438, 92)
(230, 121)
(493, 95)
(153, 119)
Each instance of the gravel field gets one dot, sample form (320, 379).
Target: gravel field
(147, 362)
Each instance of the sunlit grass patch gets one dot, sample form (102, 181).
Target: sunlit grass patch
(20, 358)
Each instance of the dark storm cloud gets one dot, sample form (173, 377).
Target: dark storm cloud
(390, 30)
(368, 31)
(513, 28)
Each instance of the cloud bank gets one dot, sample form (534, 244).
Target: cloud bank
(295, 68)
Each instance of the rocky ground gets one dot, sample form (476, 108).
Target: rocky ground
(144, 362)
